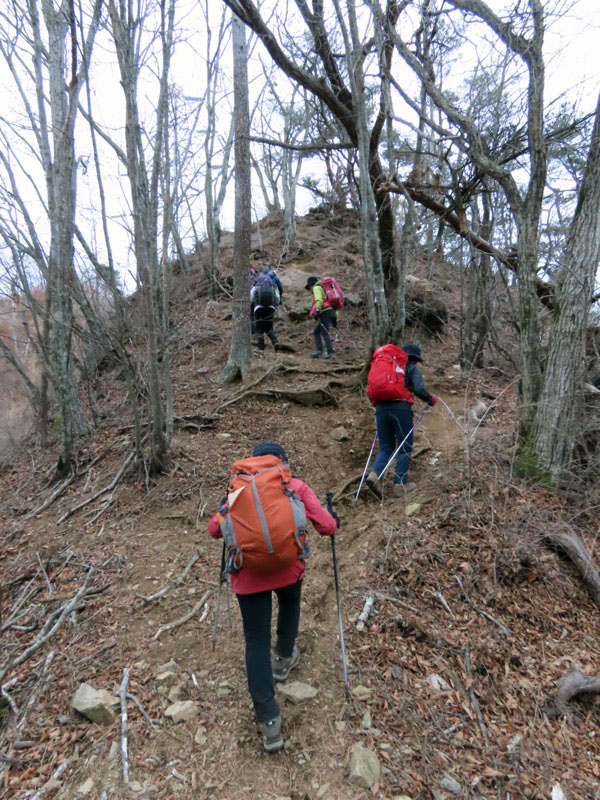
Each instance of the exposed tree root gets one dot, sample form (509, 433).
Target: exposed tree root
(572, 546)
(572, 685)
(339, 493)
(321, 395)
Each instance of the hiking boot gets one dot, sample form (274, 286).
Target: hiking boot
(374, 484)
(272, 736)
(329, 355)
(316, 354)
(400, 489)
(283, 666)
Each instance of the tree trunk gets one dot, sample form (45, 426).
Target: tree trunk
(144, 196)
(559, 410)
(61, 173)
(239, 353)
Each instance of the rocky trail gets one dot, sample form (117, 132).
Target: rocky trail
(470, 624)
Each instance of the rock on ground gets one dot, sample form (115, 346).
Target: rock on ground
(297, 692)
(364, 767)
(97, 705)
(182, 711)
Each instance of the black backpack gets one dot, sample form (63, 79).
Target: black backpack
(265, 301)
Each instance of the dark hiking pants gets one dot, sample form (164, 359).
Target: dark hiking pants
(256, 617)
(394, 422)
(321, 332)
(260, 327)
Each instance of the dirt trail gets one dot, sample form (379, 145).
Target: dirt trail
(467, 518)
(318, 735)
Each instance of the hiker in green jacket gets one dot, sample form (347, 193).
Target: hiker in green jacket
(325, 316)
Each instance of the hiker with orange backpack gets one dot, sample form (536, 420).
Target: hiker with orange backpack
(393, 381)
(328, 299)
(263, 522)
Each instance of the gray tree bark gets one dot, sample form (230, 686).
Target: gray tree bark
(560, 406)
(239, 353)
(144, 184)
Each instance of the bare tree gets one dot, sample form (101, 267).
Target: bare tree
(152, 275)
(239, 353)
(58, 75)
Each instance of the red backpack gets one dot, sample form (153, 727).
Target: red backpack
(334, 297)
(265, 526)
(386, 375)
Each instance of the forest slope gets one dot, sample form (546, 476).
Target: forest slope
(474, 621)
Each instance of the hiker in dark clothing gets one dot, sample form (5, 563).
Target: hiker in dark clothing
(263, 307)
(274, 277)
(254, 594)
(395, 421)
(325, 317)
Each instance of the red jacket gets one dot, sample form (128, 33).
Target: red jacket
(244, 582)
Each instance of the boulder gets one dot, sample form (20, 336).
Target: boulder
(294, 280)
(97, 705)
(352, 299)
(182, 711)
(297, 692)
(364, 767)
(298, 310)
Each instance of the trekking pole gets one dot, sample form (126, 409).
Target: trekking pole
(397, 450)
(362, 480)
(328, 499)
(218, 605)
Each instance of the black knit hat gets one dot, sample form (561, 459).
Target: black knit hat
(311, 282)
(412, 349)
(270, 449)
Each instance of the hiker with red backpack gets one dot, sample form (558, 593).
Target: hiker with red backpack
(328, 299)
(263, 523)
(394, 379)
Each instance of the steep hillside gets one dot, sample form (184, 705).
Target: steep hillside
(473, 624)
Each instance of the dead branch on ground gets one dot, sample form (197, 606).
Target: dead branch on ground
(49, 628)
(481, 611)
(98, 494)
(572, 685)
(174, 584)
(50, 785)
(122, 695)
(182, 620)
(62, 487)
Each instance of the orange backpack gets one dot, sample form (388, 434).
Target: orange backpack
(265, 526)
